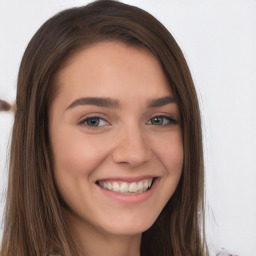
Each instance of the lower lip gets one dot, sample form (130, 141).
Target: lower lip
(130, 198)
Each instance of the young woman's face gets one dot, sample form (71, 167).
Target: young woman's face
(115, 129)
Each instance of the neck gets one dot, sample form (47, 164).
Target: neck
(95, 241)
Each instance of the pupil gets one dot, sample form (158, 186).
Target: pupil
(93, 121)
(157, 120)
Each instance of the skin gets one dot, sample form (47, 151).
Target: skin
(126, 143)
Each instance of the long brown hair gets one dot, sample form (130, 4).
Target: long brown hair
(34, 222)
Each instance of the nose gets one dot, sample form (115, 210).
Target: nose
(132, 147)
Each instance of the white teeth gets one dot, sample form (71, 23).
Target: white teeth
(115, 187)
(125, 187)
(146, 184)
(150, 182)
(140, 186)
(109, 186)
(105, 185)
(133, 187)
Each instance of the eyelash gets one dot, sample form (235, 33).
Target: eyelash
(166, 120)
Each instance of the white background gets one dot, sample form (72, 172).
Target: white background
(218, 39)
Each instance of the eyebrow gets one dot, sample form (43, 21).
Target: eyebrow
(100, 102)
(160, 102)
(115, 104)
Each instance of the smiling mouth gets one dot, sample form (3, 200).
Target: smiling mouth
(123, 187)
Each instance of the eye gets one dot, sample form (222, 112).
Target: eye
(94, 121)
(161, 120)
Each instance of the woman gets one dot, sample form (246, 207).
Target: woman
(106, 154)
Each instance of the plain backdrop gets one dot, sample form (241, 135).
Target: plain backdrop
(218, 38)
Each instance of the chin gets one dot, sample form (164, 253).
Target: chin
(129, 227)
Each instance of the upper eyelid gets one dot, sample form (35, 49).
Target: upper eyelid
(95, 115)
(167, 115)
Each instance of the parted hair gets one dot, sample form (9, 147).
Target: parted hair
(34, 223)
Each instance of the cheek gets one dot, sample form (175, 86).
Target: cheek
(76, 157)
(173, 158)
(170, 152)
(75, 154)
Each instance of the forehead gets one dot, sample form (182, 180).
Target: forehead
(109, 69)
